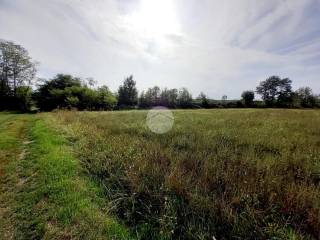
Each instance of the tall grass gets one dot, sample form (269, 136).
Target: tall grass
(229, 174)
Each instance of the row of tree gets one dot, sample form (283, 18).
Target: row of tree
(274, 91)
(173, 98)
(65, 91)
(277, 92)
(18, 71)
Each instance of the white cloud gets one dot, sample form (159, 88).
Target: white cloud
(219, 47)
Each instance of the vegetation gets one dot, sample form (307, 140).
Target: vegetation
(231, 174)
(276, 91)
(218, 174)
(17, 74)
(12, 129)
(305, 98)
(128, 93)
(65, 91)
(248, 97)
(204, 100)
(17, 70)
(44, 195)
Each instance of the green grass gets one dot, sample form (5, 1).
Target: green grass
(232, 174)
(12, 129)
(45, 195)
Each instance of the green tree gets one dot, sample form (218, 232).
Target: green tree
(66, 91)
(173, 98)
(248, 97)
(204, 100)
(24, 98)
(128, 93)
(16, 66)
(142, 101)
(72, 101)
(106, 100)
(165, 97)
(276, 91)
(16, 70)
(88, 99)
(52, 93)
(305, 97)
(184, 98)
(157, 97)
(152, 96)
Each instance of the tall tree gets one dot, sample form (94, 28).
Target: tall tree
(16, 67)
(157, 97)
(17, 71)
(204, 100)
(184, 98)
(173, 98)
(106, 99)
(52, 93)
(305, 97)
(128, 93)
(224, 98)
(248, 97)
(168, 97)
(285, 93)
(142, 101)
(275, 91)
(153, 96)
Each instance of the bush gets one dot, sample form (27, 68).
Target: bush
(65, 91)
(24, 99)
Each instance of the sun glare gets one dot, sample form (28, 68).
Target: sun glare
(154, 18)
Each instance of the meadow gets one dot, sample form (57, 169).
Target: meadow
(218, 174)
(224, 174)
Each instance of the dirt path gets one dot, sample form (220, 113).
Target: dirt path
(13, 130)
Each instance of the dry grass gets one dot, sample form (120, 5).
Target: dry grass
(232, 174)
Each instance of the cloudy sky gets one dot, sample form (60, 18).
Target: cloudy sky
(218, 47)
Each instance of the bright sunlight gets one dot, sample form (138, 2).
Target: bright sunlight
(154, 18)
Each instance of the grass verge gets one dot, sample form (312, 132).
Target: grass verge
(12, 130)
(52, 199)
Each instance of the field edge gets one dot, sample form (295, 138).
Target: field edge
(53, 199)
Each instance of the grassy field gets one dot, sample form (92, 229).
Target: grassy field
(224, 174)
(229, 174)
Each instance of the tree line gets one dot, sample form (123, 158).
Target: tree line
(19, 91)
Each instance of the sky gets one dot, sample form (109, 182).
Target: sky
(218, 47)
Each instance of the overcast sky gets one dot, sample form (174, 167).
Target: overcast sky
(218, 47)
